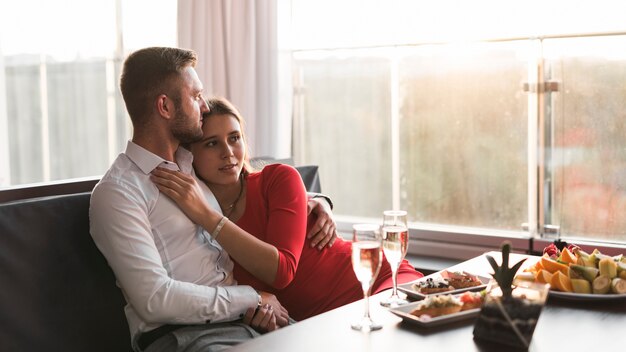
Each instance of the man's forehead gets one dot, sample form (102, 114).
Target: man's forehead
(189, 78)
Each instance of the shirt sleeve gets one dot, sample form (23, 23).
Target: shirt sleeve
(120, 228)
(286, 227)
(312, 195)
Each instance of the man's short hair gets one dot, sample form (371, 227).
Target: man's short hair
(149, 72)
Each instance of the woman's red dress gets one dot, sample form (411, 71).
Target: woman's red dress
(308, 281)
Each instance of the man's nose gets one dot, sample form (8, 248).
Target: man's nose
(204, 107)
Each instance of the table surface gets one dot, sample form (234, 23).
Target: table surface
(563, 325)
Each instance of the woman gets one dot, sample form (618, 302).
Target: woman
(264, 222)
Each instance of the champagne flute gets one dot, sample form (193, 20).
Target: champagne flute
(395, 244)
(366, 261)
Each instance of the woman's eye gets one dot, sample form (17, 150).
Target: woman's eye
(235, 138)
(210, 144)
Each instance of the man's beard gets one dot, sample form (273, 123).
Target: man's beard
(183, 128)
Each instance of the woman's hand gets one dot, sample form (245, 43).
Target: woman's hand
(282, 315)
(184, 190)
(270, 316)
(261, 319)
(324, 231)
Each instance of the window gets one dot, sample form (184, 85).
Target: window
(463, 135)
(587, 136)
(466, 114)
(61, 113)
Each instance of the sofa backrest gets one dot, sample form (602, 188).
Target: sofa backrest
(57, 293)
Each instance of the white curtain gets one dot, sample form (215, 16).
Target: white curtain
(5, 166)
(236, 42)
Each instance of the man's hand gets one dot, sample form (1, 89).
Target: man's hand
(270, 316)
(324, 231)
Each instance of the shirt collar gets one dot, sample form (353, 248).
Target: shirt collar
(148, 161)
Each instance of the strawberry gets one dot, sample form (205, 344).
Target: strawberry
(552, 251)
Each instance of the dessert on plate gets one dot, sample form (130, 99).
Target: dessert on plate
(461, 279)
(438, 305)
(472, 300)
(433, 285)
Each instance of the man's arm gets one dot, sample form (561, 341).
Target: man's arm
(121, 230)
(324, 230)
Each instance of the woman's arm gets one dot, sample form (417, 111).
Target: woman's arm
(259, 258)
(285, 199)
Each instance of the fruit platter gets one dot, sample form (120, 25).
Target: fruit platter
(578, 275)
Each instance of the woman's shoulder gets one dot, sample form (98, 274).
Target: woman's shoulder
(279, 175)
(279, 170)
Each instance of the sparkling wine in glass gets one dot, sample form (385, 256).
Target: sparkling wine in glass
(366, 261)
(395, 244)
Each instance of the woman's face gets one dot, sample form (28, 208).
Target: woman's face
(218, 157)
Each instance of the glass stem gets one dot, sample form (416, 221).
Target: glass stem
(367, 304)
(394, 280)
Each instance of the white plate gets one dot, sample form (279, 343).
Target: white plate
(411, 292)
(404, 312)
(587, 296)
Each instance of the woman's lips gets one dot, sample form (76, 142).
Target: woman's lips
(228, 167)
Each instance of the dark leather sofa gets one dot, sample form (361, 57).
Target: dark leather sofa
(57, 292)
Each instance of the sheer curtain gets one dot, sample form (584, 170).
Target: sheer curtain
(5, 176)
(237, 45)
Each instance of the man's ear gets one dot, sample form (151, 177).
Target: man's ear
(165, 106)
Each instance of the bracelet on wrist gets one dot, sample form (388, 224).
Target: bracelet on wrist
(219, 227)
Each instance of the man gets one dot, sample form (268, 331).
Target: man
(177, 281)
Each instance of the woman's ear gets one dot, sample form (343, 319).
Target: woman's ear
(165, 106)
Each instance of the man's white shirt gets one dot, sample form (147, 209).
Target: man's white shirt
(169, 269)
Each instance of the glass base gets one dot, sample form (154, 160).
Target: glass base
(395, 300)
(366, 324)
